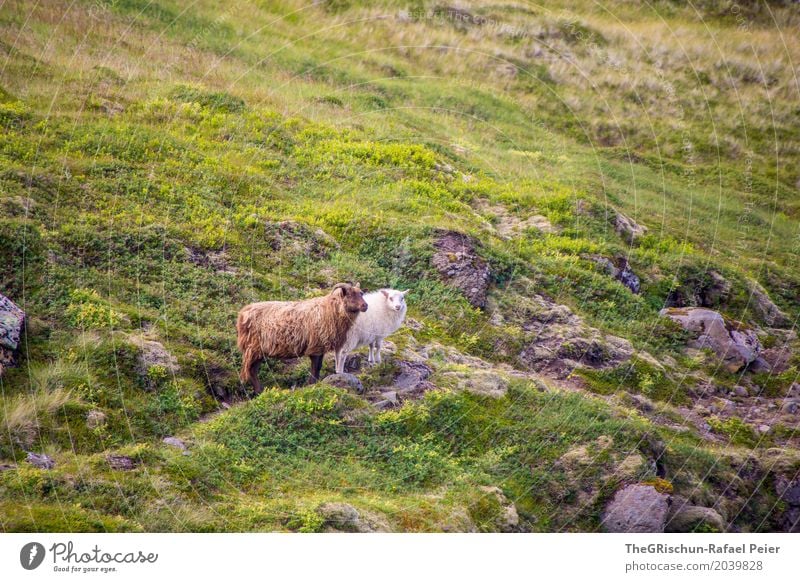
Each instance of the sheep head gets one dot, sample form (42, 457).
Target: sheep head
(395, 300)
(351, 295)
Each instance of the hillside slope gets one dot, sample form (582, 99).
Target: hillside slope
(545, 180)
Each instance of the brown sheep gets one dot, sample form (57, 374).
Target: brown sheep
(290, 329)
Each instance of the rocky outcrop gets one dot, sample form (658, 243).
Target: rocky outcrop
(628, 229)
(559, 341)
(343, 517)
(636, 509)
(735, 345)
(12, 321)
(619, 269)
(704, 288)
(216, 261)
(457, 261)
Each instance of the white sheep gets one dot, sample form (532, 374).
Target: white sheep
(385, 315)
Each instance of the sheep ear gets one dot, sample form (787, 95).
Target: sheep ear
(356, 284)
(385, 293)
(404, 292)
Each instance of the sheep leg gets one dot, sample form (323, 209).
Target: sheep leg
(252, 374)
(316, 366)
(378, 346)
(340, 357)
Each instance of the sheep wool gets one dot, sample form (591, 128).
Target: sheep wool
(290, 329)
(384, 316)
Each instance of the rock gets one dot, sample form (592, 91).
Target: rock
(354, 363)
(151, 354)
(558, 341)
(790, 407)
(741, 391)
(95, 419)
(174, 442)
(685, 518)
(7, 467)
(507, 518)
(12, 322)
(764, 428)
(121, 462)
(628, 229)
(40, 460)
(630, 467)
(457, 261)
(347, 381)
(620, 270)
(412, 379)
(636, 509)
(764, 307)
(343, 517)
(736, 345)
(483, 382)
(789, 491)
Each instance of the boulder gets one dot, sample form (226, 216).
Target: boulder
(151, 354)
(628, 229)
(174, 442)
(636, 509)
(40, 460)
(764, 307)
(346, 381)
(343, 517)
(457, 261)
(12, 321)
(735, 345)
(685, 518)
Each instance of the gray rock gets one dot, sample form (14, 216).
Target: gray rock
(790, 407)
(412, 379)
(628, 229)
(343, 517)
(174, 442)
(507, 519)
(457, 261)
(620, 270)
(40, 460)
(12, 322)
(736, 345)
(153, 353)
(121, 462)
(741, 391)
(689, 518)
(95, 419)
(347, 381)
(764, 307)
(790, 492)
(636, 509)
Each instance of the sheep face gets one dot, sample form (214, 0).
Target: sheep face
(353, 297)
(395, 300)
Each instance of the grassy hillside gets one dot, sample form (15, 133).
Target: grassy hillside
(164, 163)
